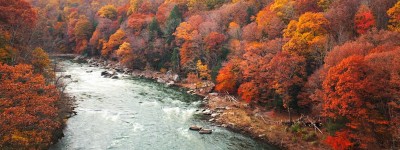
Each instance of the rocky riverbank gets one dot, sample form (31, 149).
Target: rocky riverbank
(225, 110)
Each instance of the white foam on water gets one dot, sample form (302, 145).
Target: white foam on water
(150, 104)
(176, 113)
(184, 132)
(137, 127)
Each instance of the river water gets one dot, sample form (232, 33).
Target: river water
(137, 114)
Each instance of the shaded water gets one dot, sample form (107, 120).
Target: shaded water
(137, 114)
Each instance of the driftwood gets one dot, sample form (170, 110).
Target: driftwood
(315, 126)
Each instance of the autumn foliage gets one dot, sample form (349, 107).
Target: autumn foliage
(364, 20)
(336, 60)
(28, 115)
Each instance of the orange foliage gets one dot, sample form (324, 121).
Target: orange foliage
(249, 92)
(229, 77)
(28, 115)
(115, 40)
(138, 22)
(269, 23)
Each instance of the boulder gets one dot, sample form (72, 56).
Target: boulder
(195, 128)
(176, 78)
(160, 80)
(67, 76)
(115, 77)
(207, 112)
(214, 115)
(205, 131)
(170, 83)
(105, 73)
(213, 94)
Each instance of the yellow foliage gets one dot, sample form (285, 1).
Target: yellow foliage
(394, 14)
(284, 9)
(125, 53)
(41, 63)
(204, 73)
(108, 11)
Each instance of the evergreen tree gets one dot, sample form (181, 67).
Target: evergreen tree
(154, 29)
(173, 21)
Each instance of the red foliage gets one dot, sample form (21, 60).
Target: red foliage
(364, 20)
(17, 12)
(287, 73)
(340, 141)
(214, 40)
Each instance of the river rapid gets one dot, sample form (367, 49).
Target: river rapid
(138, 114)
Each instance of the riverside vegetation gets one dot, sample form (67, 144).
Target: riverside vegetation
(311, 74)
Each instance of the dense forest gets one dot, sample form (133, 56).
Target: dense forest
(334, 59)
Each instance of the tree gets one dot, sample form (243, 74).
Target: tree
(125, 54)
(108, 11)
(340, 14)
(270, 24)
(308, 38)
(340, 141)
(28, 116)
(284, 9)
(203, 71)
(364, 19)
(154, 29)
(41, 63)
(324, 4)
(175, 60)
(113, 43)
(134, 6)
(173, 21)
(228, 79)
(139, 21)
(288, 75)
(357, 93)
(83, 31)
(394, 15)
(249, 92)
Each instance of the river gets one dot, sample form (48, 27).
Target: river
(138, 114)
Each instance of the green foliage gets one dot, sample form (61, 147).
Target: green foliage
(175, 59)
(335, 125)
(154, 29)
(311, 136)
(295, 128)
(250, 13)
(173, 21)
(211, 4)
